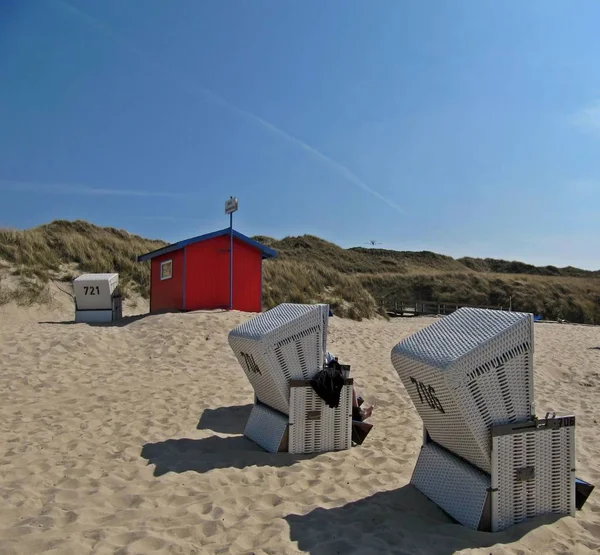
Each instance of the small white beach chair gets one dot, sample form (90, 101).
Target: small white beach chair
(486, 459)
(280, 350)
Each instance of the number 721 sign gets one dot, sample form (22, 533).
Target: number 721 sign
(91, 290)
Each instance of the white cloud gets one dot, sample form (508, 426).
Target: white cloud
(583, 186)
(71, 189)
(588, 117)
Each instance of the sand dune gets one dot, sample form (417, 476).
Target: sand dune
(127, 439)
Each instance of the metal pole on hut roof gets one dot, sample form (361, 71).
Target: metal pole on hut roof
(231, 205)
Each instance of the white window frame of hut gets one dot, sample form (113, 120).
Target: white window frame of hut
(169, 264)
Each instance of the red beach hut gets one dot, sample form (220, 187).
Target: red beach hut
(194, 274)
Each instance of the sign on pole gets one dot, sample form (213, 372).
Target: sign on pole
(231, 205)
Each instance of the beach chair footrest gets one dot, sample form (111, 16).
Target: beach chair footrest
(456, 486)
(268, 428)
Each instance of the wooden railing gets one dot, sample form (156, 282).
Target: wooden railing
(396, 307)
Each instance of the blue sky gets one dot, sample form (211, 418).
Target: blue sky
(466, 128)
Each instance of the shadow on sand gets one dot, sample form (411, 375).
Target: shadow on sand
(401, 521)
(202, 455)
(225, 420)
(124, 321)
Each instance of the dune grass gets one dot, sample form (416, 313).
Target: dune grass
(26, 292)
(355, 282)
(302, 282)
(569, 298)
(44, 251)
(555, 293)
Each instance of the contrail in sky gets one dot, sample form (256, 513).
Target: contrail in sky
(196, 90)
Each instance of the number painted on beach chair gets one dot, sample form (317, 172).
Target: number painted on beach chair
(93, 290)
(251, 363)
(427, 395)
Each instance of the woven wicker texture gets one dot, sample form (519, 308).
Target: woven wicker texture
(266, 427)
(315, 427)
(457, 334)
(466, 372)
(457, 487)
(285, 343)
(551, 489)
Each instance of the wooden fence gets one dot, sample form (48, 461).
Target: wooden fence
(396, 307)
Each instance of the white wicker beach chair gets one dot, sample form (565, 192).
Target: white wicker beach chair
(280, 350)
(486, 459)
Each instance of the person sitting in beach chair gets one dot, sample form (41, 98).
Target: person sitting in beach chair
(361, 410)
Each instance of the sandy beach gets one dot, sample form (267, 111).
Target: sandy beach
(127, 439)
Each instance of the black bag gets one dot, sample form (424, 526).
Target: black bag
(328, 384)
